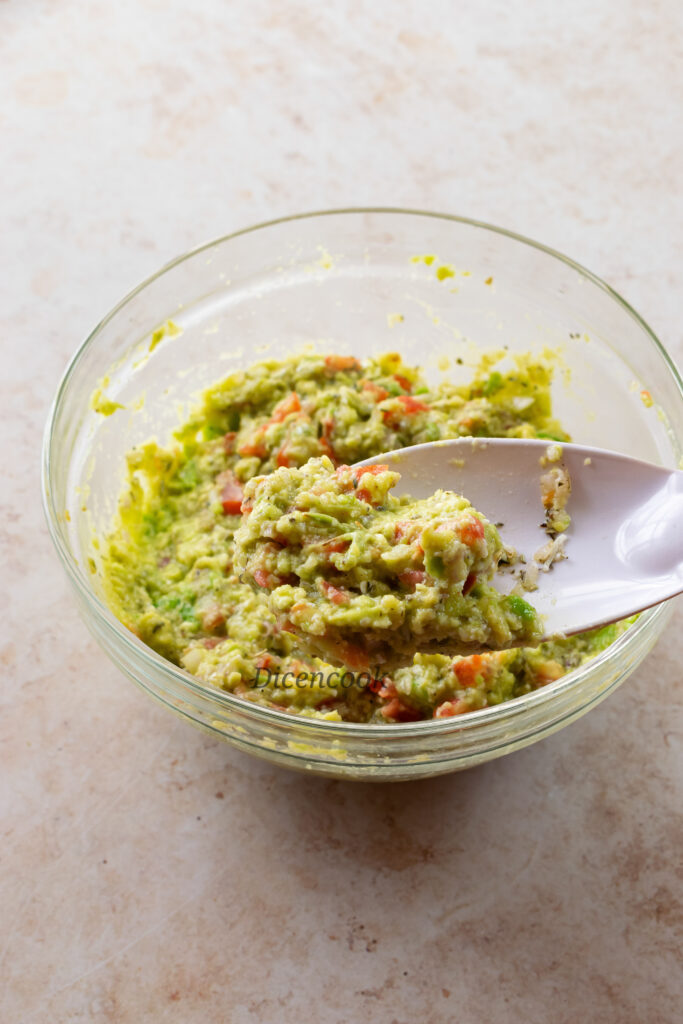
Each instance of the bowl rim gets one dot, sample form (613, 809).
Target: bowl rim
(399, 730)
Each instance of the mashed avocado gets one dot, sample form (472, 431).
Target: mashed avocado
(169, 565)
(364, 578)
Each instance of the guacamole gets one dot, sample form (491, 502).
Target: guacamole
(169, 561)
(364, 578)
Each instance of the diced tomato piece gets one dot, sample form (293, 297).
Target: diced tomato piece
(232, 503)
(377, 392)
(468, 671)
(264, 661)
(372, 470)
(399, 712)
(450, 708)
(471, 530)
(406, 530)
(257, 448)
(343, 472)
(412, 405)
(213, 617)
(411, 577)
(409, 406)
(354, 657)
(362, 492)
(548, 672)
(336, 544)
(229, 442)
(285, 408)
(469, 583)
(337, 363)
(264, 579)
(231, 493)
(403, 381)
(282, 459)
(335, 595)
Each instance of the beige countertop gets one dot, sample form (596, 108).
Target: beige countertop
(148, 872)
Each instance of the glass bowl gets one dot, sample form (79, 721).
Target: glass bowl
(352, 281)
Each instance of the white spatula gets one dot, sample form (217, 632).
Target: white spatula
(624, 547)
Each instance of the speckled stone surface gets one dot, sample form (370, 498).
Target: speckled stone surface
(148, 872)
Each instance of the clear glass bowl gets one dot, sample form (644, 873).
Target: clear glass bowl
(335, 282)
